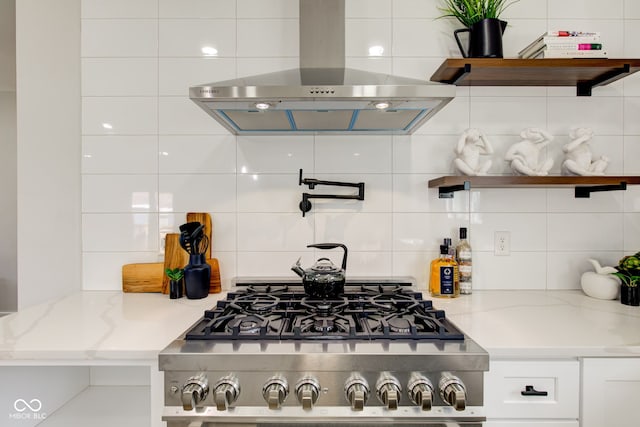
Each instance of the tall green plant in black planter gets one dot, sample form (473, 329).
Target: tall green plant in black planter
(481, 21)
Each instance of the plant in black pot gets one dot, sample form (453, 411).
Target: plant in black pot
(481, 21)
(629, 273)
(176, 283)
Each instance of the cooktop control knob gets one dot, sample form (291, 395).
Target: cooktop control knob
(275, 391)
(226, 391)
(452, 391)
(356, 389)
(194, 391)
(308, 390)
(420, 391)
(388, 390)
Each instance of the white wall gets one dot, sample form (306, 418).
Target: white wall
(161, 156)
(48, 126)
(8, 187)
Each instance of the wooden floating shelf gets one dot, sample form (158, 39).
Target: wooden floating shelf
(583, 73)
(584, 185)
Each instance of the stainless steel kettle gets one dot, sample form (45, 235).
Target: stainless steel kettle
(324, 279)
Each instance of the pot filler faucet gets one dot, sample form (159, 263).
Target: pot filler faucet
(305, 204)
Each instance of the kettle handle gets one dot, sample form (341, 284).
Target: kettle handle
(465, 54)
(333, 246)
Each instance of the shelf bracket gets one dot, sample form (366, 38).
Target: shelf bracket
(585, 192)
(584, 88)
(460, 75)
(447, 192)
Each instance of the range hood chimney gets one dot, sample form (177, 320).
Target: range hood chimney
(322, 96)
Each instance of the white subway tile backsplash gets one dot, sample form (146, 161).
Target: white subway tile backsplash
(415, 232)
(197, 9)
(120, 154)
(120, 77)
(424, 37)
(195, 154)
(188, 37)
(101, 9)
(585, 231)
(519, 271)
(268, 37)
(411, 194)
(605, 116)
(631, 110)
(566, 268)
(583, 9)
(424, 154)
(508, 200)
(177, 75)
(507, 115)
(181, 116)
(197, 193)
(631, 223)
(368, 9)
(268, 193)
(119, 38)
(252, 66)
(119, 193)
(102, 271)
(365, 34)
(119, 115)
(454, 118)
(274, 232)
(260, 9)
(358, 231)
(275, 154)
(352, 154)
(527, 231)
(415, 9)
(121, 232)
(149, 154)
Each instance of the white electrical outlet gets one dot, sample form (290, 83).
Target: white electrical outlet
(502, 243)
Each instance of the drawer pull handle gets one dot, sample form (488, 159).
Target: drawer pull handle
(529, 390)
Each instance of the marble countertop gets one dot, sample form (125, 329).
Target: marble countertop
(111, 325)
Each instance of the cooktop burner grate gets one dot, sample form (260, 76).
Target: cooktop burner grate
(362, 312)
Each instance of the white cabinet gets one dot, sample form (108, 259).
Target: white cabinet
(610, 392)
(532, 393)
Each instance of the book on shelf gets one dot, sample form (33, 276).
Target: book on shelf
(564, 33)
(586, 41)
(570, 53)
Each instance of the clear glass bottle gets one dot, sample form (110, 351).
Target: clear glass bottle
(465, 265)
(443, 277)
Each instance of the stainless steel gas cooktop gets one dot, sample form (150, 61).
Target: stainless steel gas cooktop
(375, 354)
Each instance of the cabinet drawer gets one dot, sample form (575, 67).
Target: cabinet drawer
(506, 380)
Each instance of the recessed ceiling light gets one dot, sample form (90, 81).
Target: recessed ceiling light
(382, 105)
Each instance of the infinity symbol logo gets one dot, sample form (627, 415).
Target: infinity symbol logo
(21, 405)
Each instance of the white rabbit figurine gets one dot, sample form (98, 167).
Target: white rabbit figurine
(470, 146)
(524, 156)
(578, 157)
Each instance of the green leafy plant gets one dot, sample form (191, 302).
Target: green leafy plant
(175, 274)
(629, 270)
(468, 12)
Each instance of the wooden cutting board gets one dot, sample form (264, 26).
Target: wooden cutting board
(145, 277)
(174, 257)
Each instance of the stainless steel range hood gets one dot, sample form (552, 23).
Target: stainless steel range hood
(322, 96)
